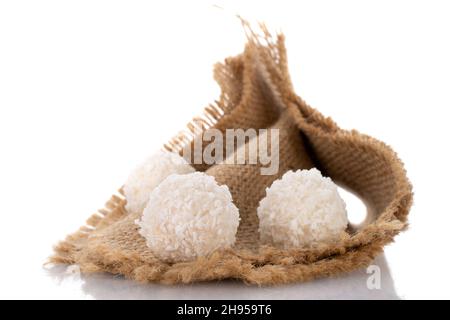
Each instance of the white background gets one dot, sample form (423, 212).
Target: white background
(90, 88)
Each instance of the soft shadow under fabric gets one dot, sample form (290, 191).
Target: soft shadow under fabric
(349, 286)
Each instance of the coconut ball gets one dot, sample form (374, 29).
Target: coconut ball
(189, 216)
(301, 209)
(144, 178)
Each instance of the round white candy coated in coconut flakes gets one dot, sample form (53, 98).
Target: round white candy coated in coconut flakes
(301, 209)
(149, 175)
(189, 216)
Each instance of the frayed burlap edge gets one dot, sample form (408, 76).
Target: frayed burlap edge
(268, 265)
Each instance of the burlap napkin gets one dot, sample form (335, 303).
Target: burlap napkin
(257, 93)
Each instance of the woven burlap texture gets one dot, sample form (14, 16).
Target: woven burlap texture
(257, 93)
